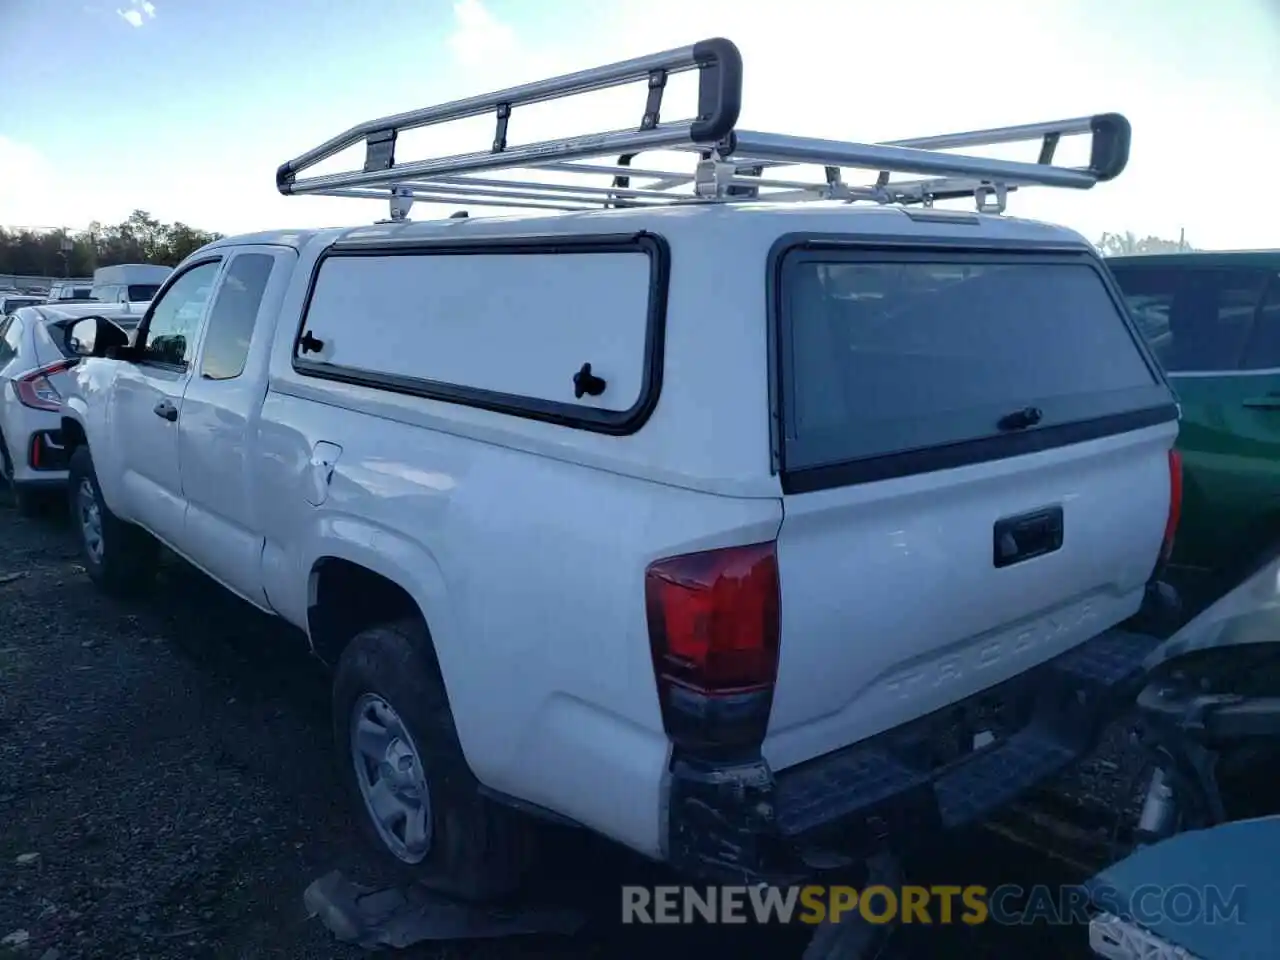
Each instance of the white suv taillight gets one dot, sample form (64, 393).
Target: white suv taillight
(1175, 504)
(36, 391)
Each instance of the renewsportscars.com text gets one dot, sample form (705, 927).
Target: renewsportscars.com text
(938, 904)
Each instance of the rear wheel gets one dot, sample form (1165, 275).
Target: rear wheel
(403, 766)
(119, 557)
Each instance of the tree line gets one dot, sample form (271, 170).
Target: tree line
(1127, 244)
(141, 238)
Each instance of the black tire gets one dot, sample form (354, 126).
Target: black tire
(129, 555)
(26, 502)
(480, 850)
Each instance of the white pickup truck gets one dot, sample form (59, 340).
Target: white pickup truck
(753, 533)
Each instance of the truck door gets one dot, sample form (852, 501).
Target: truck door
(1255, 423)
(219, 416)
(147, 401)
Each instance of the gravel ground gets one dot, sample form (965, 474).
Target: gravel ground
(166, 779)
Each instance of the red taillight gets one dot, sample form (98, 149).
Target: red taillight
(36, 391)
(1175, 503)
(714, 619)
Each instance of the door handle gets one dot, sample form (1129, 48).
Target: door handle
(166, 410)
(1268, 401)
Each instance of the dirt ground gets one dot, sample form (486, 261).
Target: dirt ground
(168, 764)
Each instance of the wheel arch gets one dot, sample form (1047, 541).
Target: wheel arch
(345, 597)
(73, 435)
(361, 575)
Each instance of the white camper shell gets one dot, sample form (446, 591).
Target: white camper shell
(128, 282)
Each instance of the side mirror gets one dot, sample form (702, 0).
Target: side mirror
(94, 337)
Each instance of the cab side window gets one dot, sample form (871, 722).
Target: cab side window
(1196, 320)
(174, 320)
(231, 321)
(1263, 352)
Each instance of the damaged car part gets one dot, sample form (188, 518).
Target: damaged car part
(374, 917)
(1211, 706)
(740, 822)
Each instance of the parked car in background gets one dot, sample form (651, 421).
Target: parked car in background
(128, 282)
(70, 290)
(10, 302)
(1213, 320)
(1231, 876)
(34, 360)
(1209, 718)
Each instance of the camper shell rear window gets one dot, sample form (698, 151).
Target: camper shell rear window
(894, 362)
(565, 330)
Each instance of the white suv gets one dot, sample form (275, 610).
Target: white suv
(749, 532)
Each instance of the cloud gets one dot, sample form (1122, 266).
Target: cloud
(479, 36)
(39, 190)
(27, 176)
(138, 12)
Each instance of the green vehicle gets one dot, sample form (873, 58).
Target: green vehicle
(1213, 320)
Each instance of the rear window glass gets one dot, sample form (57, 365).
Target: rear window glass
(142, 291)
(889, 357)
(1196, 319)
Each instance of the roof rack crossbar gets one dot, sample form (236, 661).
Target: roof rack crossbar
(732, 164)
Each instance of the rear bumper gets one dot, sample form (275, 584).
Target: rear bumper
(742, 823)
(38, 455)
(46, 454)
(42, 484)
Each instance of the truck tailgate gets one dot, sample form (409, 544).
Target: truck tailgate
(892, 605)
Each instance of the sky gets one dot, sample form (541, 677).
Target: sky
(184, 108)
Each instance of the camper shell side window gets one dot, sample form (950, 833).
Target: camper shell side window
(567, 330)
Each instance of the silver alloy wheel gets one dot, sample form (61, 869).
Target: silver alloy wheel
(90, 520)
(392, 781)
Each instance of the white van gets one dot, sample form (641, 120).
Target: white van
(128, 282)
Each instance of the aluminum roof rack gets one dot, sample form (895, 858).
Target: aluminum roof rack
(597, 170)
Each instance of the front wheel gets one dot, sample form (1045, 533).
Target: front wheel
(119, 557)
